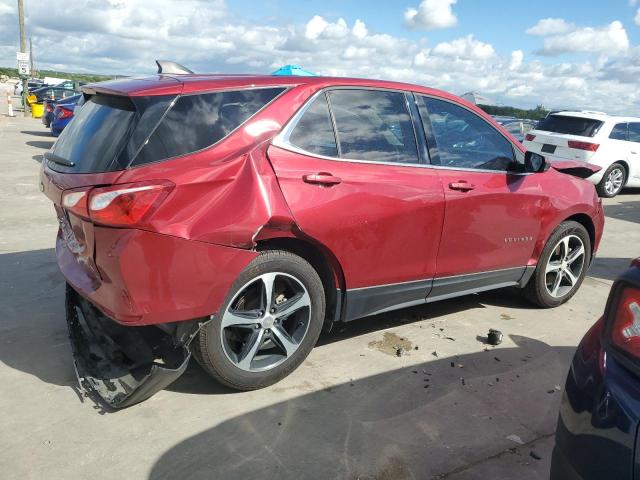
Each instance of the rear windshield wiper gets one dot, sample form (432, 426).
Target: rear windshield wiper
(59, 160)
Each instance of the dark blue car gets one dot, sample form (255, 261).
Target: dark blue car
(597, 435)
(63, 113)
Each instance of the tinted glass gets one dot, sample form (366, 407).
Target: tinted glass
(198, 121)
(634, 132)
(465, 140)
(95, 137)
(584, 127)
(373, 125)
(314, 131)
(619, 132)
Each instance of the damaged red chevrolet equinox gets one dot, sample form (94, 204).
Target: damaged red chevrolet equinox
(234, 218)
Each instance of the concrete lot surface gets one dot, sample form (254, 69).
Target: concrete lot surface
(353, 410)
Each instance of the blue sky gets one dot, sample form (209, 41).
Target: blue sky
(562, 54)
(499, 22)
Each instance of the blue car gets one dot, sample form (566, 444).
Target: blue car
(597, 435)
(50, 105)
(63, 113)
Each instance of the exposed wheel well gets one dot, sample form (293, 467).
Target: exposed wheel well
(328, 269)
(585, 220)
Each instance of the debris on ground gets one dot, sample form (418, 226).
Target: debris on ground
(434, 353)
(392, 344)
(416, 347)
(497, 359)
(515, 439)
(551, 391)
(534, 454)
(494, 337)
(504, 316)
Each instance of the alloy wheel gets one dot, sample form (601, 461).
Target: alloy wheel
(266, 321)
(613, 183)
(564, 266)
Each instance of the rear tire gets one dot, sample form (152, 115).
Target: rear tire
(268, 324)
(561, 267)
(613, 181)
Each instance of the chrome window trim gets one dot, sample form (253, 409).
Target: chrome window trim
(282, 139)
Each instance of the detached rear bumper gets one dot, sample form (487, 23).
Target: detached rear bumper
(123, 365)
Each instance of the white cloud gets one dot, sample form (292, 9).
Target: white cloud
(550, 26)
(517, 57)
(610, 39)
(431, 14)
(633, 3)
(466, 47)
(637, 17)
(120, 38)
(359, 29)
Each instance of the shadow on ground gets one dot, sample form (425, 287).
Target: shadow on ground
(609, 268)
(40, 144)
(407, 423)
(629, 211)
(43, 133)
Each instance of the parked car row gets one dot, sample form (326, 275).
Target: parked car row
(517, 127)
(58, 113)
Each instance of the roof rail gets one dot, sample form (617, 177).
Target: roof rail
(167, 66)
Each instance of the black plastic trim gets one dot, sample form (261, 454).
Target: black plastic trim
(449, 287)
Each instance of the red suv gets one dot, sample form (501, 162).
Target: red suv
(236, 217)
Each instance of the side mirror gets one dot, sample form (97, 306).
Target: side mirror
(534, 163)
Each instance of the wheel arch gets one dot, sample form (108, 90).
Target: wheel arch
(323, 262)
(626, 166)
(586, 221)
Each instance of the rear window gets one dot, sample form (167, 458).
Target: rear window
(584, 127)
(111, 133)
(95, 137)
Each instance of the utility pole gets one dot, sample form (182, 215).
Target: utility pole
(31, 57)
(23, 49)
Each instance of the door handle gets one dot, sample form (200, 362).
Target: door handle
(322, 178)
(462, 186)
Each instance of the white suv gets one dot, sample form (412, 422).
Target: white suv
(613, 143)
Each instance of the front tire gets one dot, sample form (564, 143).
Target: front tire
(268, 324)
(561, 267)
(613, 181)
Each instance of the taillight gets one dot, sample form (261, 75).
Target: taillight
(635, 262)
(590, 147)
(625, 329)
(49, 108)
(529, 137)
(76, 201)
(64, 113)
(128, 204)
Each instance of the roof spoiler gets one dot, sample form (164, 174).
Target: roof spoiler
(169, 67)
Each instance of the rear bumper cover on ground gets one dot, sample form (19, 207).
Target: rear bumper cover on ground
(123, 365)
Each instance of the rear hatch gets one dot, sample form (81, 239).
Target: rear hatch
(117, 130)
(565, 137)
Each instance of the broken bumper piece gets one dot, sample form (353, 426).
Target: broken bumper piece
(122, 365)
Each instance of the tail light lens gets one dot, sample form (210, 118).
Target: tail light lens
(49, 108)
(124, 205)
(76, 201)
(128, 204)
(529, 137)
(625, 330)
(590, 147)
(64, 113)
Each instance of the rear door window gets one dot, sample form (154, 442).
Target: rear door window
(314, 131)
(619, 132)
(373, 125)
(198, 121)
(464, 140)
(583, 127)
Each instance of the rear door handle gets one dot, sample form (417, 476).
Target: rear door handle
(322, 178)
(462, 186)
